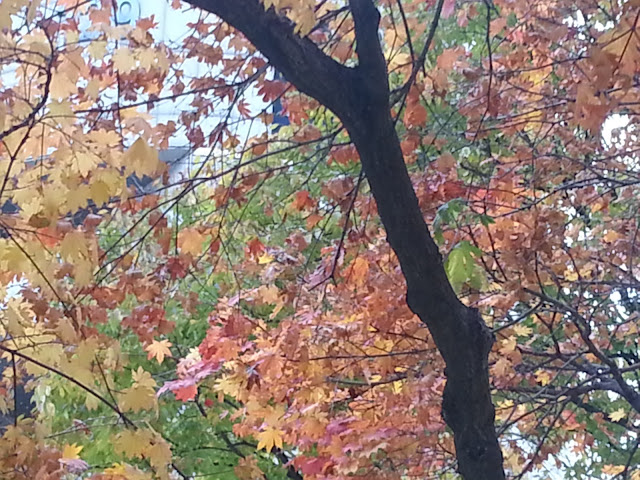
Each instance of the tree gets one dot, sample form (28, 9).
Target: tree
(359, 96)
(263, 276)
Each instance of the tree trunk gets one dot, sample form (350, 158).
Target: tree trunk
(360, 98)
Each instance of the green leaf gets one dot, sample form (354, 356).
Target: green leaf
(461, 266)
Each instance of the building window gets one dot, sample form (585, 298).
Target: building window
(128, 12)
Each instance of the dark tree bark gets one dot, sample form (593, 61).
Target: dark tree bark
(360, 98)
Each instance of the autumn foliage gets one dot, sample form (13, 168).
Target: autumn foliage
(245, 317)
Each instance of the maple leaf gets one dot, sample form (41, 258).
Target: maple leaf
(142, 159)
(543, 376)
(143, 378)
(311, 465)
(244, 110)
(133, 443)
(71, 452)
(508, 345)
(123, 470)
(269, 294)
(159, 453)
(613, 469)
(312, 220)
(271, 89)
(522, 330)
(190, 241)
(141, 395)
(359, 271)
(265, 258)
(611, 236)
(446, 162)
(618, 415)
(255, 247)
(269, 438)
(158, 349)
(303, 200)
(74, 246)
(138, 398)
(123, 60)
(186, 393)
(248, 469)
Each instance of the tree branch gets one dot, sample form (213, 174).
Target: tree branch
(370, 57)
(299, 59)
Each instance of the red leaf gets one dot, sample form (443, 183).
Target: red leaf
(186, 393)
(243, 108)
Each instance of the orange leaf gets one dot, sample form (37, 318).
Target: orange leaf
(159, 350)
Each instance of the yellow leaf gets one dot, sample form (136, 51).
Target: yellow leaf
(618, 415)
(159, 454)
(613, 469)
(60, 110)
(190, 241)
(147, 58)
(77, 369)
(62, 87)
(273, 415)
(92, 90)
(228, 385)
(398, 59)
(116, 469)
(611, 236)
(138, 398)
(133, 443)
(122, 470)
(143, 379)
(504, 404)
(508, 345)
(85, 163)
(4, 407)
(269, 438)
(141, 158)
(543, 377)
(158, 350)
(502, 367)
(397, 386)
(570, 275)
(269, 294)
(141, 395)
(32, 9)
(74, 246)
(264, 259)
(91, 402)
(305, 21)
(77, 197)
(97, 49)
(83, 273)
(522, 330)
(71, 452)
(100, 192)
(124, 60)
(597, 206)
